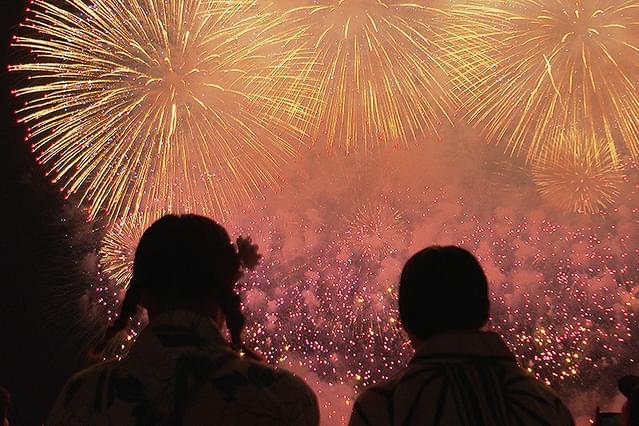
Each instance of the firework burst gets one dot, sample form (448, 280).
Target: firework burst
(383, 67)
(118, 248)
(371, 229)
(559, 65)
(163, 105)
(578, 175)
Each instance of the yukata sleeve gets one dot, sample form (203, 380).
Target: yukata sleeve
(305, 410)
(71, 408)
(372, 408)
(565, 417)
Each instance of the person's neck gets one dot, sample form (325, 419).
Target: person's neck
(158, 311)
(418, 342)
(206, 311)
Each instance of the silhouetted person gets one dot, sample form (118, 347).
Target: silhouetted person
(459, 374)
(5, 403)
(629, 387)
(181, 370)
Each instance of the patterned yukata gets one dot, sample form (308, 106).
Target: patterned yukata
(180, 371)
(465, 378)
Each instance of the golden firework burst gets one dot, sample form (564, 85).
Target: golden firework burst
(158, 104)
(559, 65)
(385, 68)
(117, 249)
(578, 174)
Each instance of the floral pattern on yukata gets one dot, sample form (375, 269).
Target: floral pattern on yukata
(181, 371)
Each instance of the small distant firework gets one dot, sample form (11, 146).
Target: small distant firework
(376, 231)
(383, 67)
(158, 104)
(578, 175)
(117, 250)
(558, 65)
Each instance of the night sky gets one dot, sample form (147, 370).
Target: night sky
(39, 284)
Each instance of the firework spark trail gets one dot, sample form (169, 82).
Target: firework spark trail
(148, 104)
(384, 67)
(578, 174)
(560, 65)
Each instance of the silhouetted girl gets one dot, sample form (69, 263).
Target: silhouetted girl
(181, 370)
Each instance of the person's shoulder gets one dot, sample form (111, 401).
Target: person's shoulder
(374, 404)
(378, 395)
(289, 390)
(72, 407)
(535, 393)
(521, 382)
(275, 377)
(86, 378)
(93, 372)
(291, 379)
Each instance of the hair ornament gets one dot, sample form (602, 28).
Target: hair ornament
(248, 253)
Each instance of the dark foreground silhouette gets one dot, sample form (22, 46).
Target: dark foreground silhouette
(5, 402)
(181, 370)
(629, 387)
(459, 375)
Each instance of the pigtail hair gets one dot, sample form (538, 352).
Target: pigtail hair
(173, 242)
(248, 257)
(128, 310)
(232, 307)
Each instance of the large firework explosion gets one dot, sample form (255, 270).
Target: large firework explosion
(146, 104)
(385, 69)
(558, 65)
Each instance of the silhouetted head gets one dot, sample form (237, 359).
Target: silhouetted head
(629, 387)
(5, 403)
(442, 289)
(188, 262)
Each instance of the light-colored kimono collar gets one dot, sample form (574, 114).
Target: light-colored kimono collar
(178, 330)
